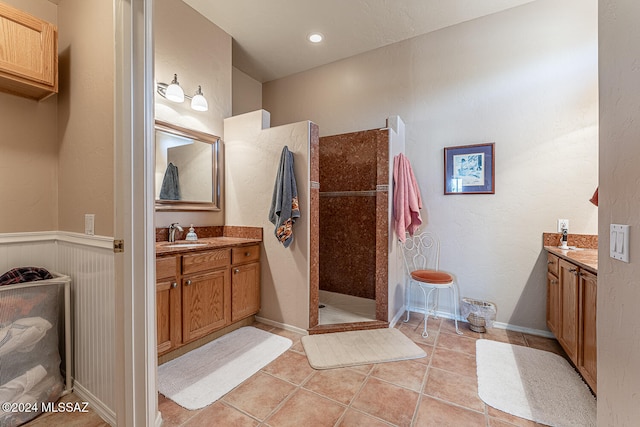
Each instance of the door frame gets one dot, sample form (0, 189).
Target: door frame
(136, 363)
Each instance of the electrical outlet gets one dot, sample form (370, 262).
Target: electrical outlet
(563, 223)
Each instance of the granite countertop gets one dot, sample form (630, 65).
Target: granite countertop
(205, 244)
(584, 258)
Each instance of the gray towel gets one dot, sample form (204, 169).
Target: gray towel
(170, 189)
(284, 203)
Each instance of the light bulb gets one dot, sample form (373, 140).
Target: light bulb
(199, 102)
(174, 92)
(315, 37)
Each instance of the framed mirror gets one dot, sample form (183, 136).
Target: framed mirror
(186, 170)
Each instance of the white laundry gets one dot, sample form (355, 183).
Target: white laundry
(21, 385)
(23, 334)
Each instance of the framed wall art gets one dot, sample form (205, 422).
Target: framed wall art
(469, 169)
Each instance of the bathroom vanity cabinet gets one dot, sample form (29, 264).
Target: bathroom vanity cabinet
(168, 304)
(245, 282)
(28, 54)
(200, 292)
(571, 312)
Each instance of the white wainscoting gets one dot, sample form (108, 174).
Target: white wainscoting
(89, 261)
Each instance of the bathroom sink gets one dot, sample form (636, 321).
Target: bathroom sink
(184, 245)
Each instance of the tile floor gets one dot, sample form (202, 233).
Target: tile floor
(339, 308)
(439, 390)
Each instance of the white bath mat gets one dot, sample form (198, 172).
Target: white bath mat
(202, 376)
(352, 348)
(533, 384)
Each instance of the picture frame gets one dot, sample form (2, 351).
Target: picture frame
(469, 169)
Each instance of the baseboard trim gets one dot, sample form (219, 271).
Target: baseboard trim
(282, 325)
(530, 331)
(497, 325)
(95, 404)
(397, 317)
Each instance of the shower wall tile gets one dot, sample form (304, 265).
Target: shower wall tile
(348, 245)
(354, 227)
(348, 162)
(314, 152)
(314, 223)
(314, 256)
(382, 255)
(382, 152)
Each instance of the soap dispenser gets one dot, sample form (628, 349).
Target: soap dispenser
(191, 235)
(563, 239)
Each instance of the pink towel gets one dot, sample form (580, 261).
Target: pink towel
(406, 198)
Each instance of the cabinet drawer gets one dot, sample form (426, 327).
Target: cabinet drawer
(204, 261)
(245, 254)
(165, 268)
(552, 264)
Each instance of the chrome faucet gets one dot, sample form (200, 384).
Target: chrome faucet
(172, 231)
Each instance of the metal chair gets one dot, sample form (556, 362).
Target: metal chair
(421, 258)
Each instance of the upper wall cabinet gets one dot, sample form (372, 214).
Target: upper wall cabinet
(28, 54)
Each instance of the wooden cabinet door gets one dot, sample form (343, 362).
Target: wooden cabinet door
(168, 315)
(206, 303)
(28, 54)
(587, 358)
(245, 290)
(568, 336)
(553, 304)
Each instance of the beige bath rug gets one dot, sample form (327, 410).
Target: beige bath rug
(533, 384)
(202, 376)
(352, 348)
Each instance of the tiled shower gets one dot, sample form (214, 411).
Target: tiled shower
(354, 207)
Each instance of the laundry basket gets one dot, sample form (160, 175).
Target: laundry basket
(480, 314)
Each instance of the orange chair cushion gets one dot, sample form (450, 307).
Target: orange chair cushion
(431, 276)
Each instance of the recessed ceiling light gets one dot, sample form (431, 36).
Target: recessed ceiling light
(315, 37)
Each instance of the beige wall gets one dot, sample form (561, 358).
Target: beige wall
(86, 115)
(29, 172)
(253, 155)
(247, 93)
(43, 9)
(505, 78)
(618, 290)
(199, 52)
(59, 152)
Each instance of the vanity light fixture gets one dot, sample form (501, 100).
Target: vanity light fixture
(173, 92)
(199, 102)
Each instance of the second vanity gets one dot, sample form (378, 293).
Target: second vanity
(203, 288)
(571, 301)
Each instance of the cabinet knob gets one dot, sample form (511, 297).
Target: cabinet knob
(174, 285)
(236, 271)
(549, 262)
(574, 271)
(247, 254)
(188, 282)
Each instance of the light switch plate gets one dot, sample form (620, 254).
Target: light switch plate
(89, 224)
(619, 242)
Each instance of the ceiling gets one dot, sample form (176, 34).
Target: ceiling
(269, 37)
